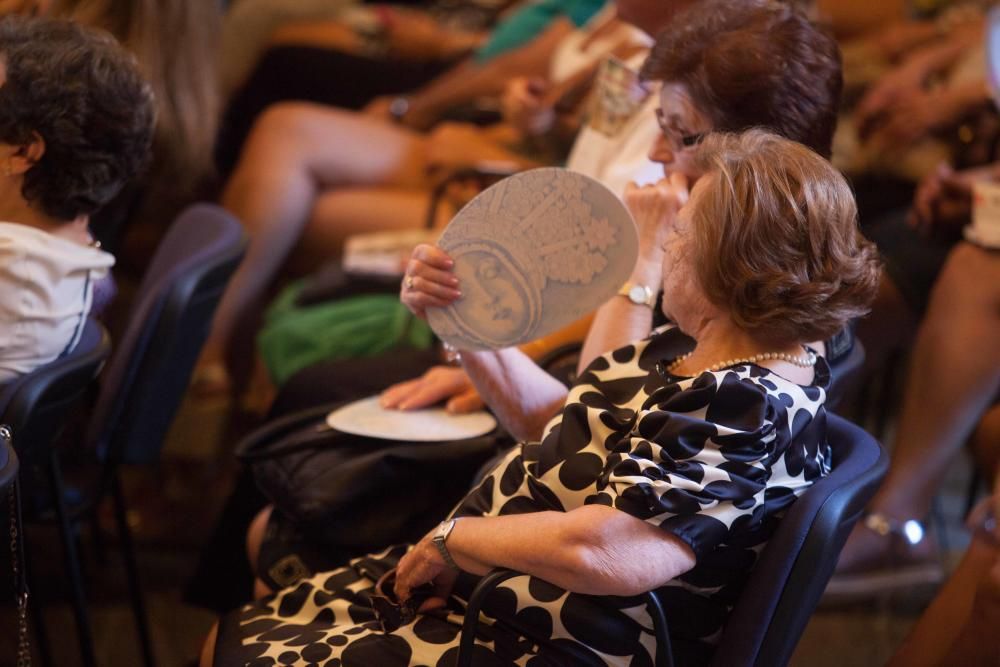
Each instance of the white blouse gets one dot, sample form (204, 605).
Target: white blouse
(46, 289)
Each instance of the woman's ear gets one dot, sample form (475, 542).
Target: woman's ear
(25, 156)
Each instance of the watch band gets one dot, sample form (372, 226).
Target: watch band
(439, 539)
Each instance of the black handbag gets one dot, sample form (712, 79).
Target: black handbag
(356, 494)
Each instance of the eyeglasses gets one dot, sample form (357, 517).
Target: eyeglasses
(678, 143)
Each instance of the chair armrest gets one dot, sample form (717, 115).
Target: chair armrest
(485, 586)
(489, 583)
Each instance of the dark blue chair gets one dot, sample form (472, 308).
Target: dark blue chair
(766, 623)
(8, 484)
(33, 411)
(149, 372)
(141, 387)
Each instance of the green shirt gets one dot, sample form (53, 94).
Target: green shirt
(530, 21)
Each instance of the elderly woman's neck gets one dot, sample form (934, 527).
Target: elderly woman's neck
(720, 339)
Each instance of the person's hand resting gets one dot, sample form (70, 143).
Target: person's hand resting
(424, 564)
(915, 116)
(454, 146)
(440, 383)
(903, 83)
(943, 201)
(429, 281)
(525, 106)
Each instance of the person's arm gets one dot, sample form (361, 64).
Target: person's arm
(620, 321)
(910, 77)
(522, 396)
(914, 117)
(959, 626)
(469, 81)
(594, 550)
(453, 385)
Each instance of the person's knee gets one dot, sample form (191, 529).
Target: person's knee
(261, 590)
(255, 535)
(208, 648)
(970, 278)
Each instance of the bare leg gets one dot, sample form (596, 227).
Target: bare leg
(986, 445)
(296, 152)
(889, 326)
(949, 619)
(255, 535)
(340, 213)
(208, 648)
(954, 378)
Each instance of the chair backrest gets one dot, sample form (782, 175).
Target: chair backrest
(845, 375)
(788, 580)
(34, 406)
(168, 324)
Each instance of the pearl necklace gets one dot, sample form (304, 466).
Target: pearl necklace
(805, 361)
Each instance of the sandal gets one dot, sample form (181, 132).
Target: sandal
(906, 558)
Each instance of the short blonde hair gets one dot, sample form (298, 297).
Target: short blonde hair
(776, 239)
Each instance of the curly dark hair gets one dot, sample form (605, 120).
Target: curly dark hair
(82, 93)
(754, 63)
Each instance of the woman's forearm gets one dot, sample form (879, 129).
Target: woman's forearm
(620, 321)
(472, 80)
(522, 396)
(594, 549)
(941, 56)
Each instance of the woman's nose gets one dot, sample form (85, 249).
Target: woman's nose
(661, 151)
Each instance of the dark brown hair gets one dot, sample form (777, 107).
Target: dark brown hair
(754, 63)
(776, 239)
(83, 95)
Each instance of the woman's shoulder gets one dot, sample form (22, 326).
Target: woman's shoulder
(59, 255)
(641, 357)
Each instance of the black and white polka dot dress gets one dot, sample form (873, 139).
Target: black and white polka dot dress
(715, 460)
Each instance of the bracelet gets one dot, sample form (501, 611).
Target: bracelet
(452, 355)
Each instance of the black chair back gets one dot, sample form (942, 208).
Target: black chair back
(788, 580)
(152, 365)
(34, 406)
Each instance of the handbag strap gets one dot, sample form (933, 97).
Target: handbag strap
(18, 566)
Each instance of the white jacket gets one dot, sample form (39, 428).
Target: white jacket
(46, 288)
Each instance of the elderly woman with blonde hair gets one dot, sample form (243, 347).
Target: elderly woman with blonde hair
(665, 467)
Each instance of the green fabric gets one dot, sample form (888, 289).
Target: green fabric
(294, 337)
(530, 21)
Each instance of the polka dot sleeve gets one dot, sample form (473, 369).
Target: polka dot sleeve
(698, 460)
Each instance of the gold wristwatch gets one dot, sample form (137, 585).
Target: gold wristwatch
(640, 295)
